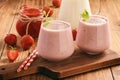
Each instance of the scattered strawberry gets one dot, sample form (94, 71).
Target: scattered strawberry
(74, 33)
(48, 11)
(12, 54)
(26, 42)
(56, 3)
(10, 39)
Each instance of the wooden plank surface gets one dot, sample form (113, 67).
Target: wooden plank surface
(79, 62)
(5, 18)
(110, 8)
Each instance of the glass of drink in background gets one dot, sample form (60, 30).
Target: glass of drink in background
(55, 41)
(93, 35)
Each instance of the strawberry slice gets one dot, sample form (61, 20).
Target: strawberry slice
(12, 54)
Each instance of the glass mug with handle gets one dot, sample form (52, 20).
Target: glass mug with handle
(55, 41)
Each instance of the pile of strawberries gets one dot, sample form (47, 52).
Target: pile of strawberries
(26, 42)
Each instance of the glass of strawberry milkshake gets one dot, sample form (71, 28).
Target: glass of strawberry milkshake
(94, 35)
(55, 41)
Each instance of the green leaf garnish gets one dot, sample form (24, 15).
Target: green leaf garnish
(85, 15)
(47, 19)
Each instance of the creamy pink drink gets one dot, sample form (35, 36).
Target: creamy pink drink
(55, 41)
(94, 35)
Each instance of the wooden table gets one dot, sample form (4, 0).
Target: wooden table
(9, 16)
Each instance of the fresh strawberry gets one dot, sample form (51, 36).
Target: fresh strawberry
(12, 54)
(56, 3)
(48, 11)
(26, 42)
(10, 39)
(74, 33)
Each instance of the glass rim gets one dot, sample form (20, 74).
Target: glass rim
(98, 16)
(67, 24)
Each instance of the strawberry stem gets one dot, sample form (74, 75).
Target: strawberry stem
(47, 14)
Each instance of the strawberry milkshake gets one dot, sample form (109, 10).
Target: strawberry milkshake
(55, 41)
(94, 35)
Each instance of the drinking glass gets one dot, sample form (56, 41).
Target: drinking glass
(55, 40)
(94, 36)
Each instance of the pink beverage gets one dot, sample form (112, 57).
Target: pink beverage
(55, 41)
(94, 35)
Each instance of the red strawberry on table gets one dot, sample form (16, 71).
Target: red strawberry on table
(10, 39)
(26, 42)
(12, 54)
(48, 11)
(74, 33)
(56, 3)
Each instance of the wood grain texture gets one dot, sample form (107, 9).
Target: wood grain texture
(6, 20)
(79, 62)
(110, 9)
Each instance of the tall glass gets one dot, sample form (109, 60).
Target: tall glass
(93, 35)
(55, 41)
(70, 11)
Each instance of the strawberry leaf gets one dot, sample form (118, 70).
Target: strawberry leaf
(11, 47)
(85, 15)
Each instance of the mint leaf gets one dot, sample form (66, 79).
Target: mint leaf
(47, 21)
(85, 15)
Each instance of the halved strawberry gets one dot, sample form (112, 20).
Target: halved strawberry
(12, 54)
